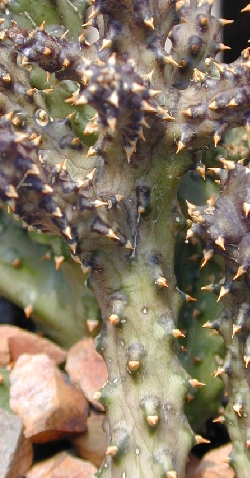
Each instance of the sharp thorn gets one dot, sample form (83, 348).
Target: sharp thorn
(200, 440)
(58, 261)
(195, 383)
(241, 270)
(220, 242)
(149, 23)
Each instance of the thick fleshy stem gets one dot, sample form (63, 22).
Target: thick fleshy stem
(225, 225)
(146, 388)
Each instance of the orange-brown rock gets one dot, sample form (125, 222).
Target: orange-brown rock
(16, 452)
(50, 408)
(87, 369)
(62, 465)
(15, 342)
(92, 444)
(213, 465)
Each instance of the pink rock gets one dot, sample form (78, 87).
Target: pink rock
(192, 464)
(62, 465)
(87, 369)
(15, 342)
(50, 409)
(212, 465)
(92, 444)
(4, 351)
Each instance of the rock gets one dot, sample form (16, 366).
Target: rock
(92, 444)
(4, 351)
(50, 408)
(15, 342)
(87, 369)
(62, 465)
(16, 451)
(212, 465)
(192, 464)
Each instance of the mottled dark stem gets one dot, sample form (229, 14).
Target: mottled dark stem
(234, 328)
(225, 225)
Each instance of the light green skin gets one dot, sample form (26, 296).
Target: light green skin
(61, 303)
(160, 384)
(29, 13)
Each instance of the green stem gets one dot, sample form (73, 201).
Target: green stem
(144, 395)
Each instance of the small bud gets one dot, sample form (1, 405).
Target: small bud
(47, 51)
(238, 409)
(133, 365)
(152, 420)
(171, 474)
(149, 23)
(28, 310)
(97, 396)
(16, 262)
(161, 282)
(114, 319)
(65, 63)
(92, 324)
(111, 450)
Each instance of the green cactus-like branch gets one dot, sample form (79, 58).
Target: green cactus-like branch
(115, 203)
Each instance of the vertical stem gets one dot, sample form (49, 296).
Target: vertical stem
(148, 434)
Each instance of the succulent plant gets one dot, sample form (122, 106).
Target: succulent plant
(115, 202)
(37, 274)
(228, 235)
